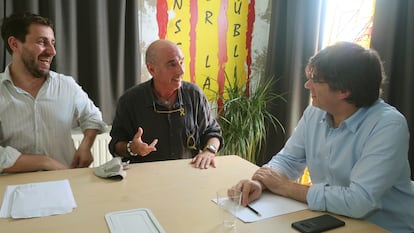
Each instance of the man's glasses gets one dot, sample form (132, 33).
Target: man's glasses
(191, 144)
(180, 110)
(313, 79)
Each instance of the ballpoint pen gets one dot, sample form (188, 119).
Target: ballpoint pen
(255, 211)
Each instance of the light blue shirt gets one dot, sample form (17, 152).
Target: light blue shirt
(42, 125)
(359, 169)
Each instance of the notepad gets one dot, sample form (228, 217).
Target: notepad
(136, 220)
(37, 199)
(268, 205)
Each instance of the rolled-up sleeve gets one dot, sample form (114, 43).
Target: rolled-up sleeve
(88, 115)
(8, 156)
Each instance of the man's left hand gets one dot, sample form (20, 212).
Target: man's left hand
(204, 160)
(82, 158)
(276, 182)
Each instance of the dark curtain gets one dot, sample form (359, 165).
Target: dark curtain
(96, 42)
(293, 39)
(393, 38)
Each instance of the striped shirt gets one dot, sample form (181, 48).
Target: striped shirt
(42, 124)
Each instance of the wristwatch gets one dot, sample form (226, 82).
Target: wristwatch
(129, 149)
(211, 148)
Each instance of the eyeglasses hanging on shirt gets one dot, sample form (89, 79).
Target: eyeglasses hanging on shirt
(180, 109)
(191, 143)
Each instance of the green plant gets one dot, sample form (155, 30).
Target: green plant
(244, 116)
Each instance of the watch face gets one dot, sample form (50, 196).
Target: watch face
(212, 148)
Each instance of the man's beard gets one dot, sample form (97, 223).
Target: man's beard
(30, 64)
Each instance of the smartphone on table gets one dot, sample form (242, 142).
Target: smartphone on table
(318, 224)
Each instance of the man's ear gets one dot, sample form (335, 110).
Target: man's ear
(150, 68)
(344, 94)
(13, 43)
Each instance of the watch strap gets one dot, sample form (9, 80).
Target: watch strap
(211, 148)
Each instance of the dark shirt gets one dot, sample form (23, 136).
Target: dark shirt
(138, 107)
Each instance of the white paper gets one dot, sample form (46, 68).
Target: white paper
(136, 220)
(268, 205)
(37, 199)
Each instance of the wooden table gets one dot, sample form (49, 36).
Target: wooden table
(178, 195)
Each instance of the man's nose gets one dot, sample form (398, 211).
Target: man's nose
(51, 50)
(181, 69)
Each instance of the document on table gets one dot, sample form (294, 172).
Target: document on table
(135, 220)
(37, 199)
(269, 205)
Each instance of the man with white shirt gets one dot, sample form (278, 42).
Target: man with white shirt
(39, 107)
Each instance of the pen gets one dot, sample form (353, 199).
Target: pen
(255, 211)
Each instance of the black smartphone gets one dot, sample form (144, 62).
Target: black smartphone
(318, 224)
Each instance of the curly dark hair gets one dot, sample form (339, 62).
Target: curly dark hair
(17, 25)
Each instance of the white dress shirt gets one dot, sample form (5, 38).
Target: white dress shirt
(42, 125)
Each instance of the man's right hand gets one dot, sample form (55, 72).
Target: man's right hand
(141, 148)
(251, 190)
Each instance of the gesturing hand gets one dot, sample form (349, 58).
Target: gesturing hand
(139, 147)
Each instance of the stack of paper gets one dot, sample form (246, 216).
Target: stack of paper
(37, 200)
(268, 205)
